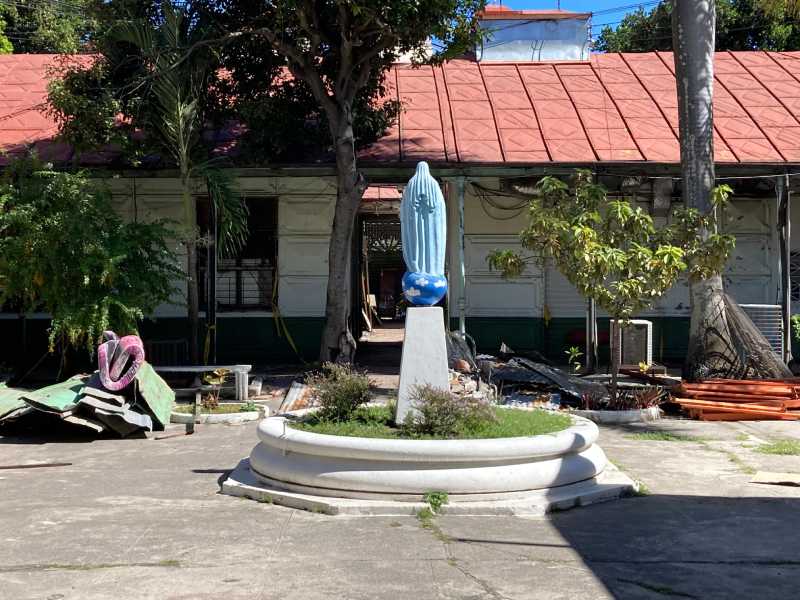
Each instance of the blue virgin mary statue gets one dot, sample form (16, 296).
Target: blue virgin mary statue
(424, 233)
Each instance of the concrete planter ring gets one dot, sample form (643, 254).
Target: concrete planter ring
(397, 469)
(610, 417)
(210, 418)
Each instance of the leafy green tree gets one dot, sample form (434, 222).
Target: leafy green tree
(610, 250)
(42, 27)
(341, 51)
(64, 250)
(309, 72)
(5, 44)
(740, 25)
(133, 87)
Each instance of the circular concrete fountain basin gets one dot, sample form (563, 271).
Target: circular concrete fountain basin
(397, 469)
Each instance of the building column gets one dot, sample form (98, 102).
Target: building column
(462, 274)
(784, 228)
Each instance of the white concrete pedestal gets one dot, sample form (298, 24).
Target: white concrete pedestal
(424, 359)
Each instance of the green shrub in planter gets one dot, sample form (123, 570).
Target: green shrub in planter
(340, 390)
(441, 414)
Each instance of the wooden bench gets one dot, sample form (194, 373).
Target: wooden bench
(240, 373)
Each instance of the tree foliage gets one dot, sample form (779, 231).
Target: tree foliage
(341, 50)
(64, 251)
(303, 79)
(741, 25)
(46, 27)
(610, 250)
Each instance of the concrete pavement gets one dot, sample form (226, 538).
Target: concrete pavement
(144, 519)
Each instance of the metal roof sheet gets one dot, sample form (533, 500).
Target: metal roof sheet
(614, 107)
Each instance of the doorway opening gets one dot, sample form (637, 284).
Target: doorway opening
(379, 313)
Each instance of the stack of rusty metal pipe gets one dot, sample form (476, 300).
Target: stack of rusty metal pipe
(740, 400)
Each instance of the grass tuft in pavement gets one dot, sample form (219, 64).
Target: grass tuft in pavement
(663, 436)
(782, 447)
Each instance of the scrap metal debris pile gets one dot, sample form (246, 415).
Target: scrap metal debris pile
(740, 400)
(526, 383)
(125, 395)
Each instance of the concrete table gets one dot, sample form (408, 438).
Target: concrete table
(240, 373)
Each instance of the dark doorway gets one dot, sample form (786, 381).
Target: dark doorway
(381, 309)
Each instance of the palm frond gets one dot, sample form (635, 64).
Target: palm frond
(232, 213)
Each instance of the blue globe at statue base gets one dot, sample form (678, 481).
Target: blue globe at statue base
(424, 289)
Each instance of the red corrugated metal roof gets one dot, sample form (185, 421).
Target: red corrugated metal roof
(615, 107)
(23, 95)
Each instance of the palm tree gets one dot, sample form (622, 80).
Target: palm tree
(173, 89)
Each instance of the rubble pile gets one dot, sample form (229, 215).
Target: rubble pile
(124, 396)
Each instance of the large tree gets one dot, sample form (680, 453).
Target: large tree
(165, 112)
(40, 26)
(338, 49)
(693, 24)
(305, 78)
(740, 25)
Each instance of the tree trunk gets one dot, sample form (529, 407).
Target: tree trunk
(192, 300)
(616, 355)
(192, 293)
(338, 343)
(693, 31)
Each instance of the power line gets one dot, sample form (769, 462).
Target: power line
(628, 7)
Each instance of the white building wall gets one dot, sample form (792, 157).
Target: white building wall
(305, 216)
(487, 293)
(751, 275)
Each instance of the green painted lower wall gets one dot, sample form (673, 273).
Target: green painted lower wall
(519, 333)
(670, 335)
(255, 340)
(252, 340)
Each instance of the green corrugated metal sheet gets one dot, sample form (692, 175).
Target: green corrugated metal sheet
(58, 398)
(10, 401)
(156, 394)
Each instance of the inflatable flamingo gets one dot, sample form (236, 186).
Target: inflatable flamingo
(114, 355)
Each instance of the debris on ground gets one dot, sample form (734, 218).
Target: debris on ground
(141, 402)
(766, 477)
(522, 374)
(470, 386)
(740, 400)
(530, 399)
(460, 355)
(11, 406)
(298, 396)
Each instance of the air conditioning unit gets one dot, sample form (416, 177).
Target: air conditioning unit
(633, 343)
(768, 319)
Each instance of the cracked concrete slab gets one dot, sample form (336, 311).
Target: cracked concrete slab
(145, 519)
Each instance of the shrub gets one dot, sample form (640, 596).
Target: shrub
(441, 414)
(340, 390)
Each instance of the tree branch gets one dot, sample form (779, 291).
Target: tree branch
(346, 54)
